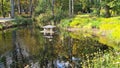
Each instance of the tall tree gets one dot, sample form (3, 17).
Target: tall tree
(107, 11)
(70, 8)
(19, 7)
(106, 6)
(12, 8)
(53, 8)
(3, 9)
(30, 8)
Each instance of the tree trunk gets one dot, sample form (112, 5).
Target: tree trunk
(53, 10)
(98, 7)
(12, 8)
(19, 7)
(107, 12)
(30, 8)
(70, 9)
(98, 11)
(3, 13)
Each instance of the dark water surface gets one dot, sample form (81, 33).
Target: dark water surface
(28, 47)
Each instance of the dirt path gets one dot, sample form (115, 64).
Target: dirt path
(5, 19)
(5, 22)
(93, 31)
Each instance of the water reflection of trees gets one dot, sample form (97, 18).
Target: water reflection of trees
(5, 42)
(82, 44)
(64, 45)
(33, 42)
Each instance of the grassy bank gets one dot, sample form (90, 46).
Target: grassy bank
(108, 27)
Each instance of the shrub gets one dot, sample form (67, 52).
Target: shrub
(64, 23)
(79, 21)
(22, 20)
(103, 60)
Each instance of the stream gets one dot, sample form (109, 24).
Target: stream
(27, 47)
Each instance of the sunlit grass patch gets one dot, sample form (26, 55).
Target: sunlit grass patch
(108, 27)
(79, 21)
(116, 33)
(111, 27)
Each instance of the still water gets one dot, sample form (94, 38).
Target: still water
(26, 47)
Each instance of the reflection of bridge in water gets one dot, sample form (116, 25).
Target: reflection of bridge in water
(48, 29)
